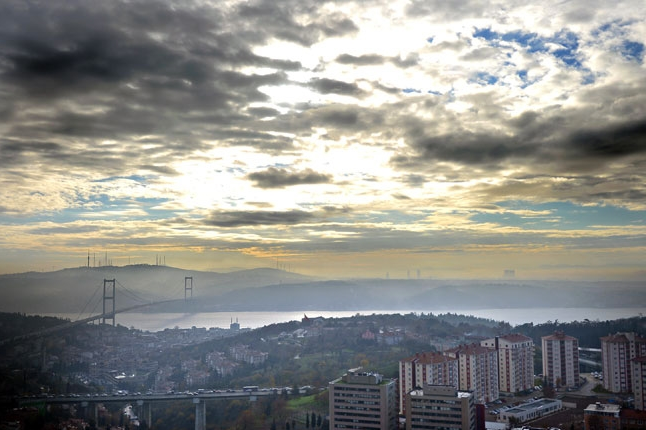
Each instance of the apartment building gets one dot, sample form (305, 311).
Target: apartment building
(560, 359)
(639, 382)
(478, 371)
(440, 407)
(363, 401)
(431, 368)
(515, 362)
(617, 352)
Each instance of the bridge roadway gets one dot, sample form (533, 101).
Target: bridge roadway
(68, 325)
(144, 401)
(129, 398)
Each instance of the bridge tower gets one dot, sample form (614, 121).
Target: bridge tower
(188, 286)
(107, 296)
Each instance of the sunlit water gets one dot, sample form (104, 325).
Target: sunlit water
(161, 321)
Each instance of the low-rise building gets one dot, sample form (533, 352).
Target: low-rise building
(600, 416)
(531, 410)
(440, 407)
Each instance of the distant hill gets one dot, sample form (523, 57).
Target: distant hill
(73, 290)
(416, 295)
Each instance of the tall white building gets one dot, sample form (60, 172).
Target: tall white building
(515, 362)
(440, 407)
(363, 401)
(639, 382)
(478, 371)
(560, 359)
(432, 368)
(617, 351)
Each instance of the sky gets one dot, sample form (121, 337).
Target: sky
(397, 139)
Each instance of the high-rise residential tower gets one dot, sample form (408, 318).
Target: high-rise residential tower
(560, 359)
(432, 368)
(515, 362)
(617, 351)
(478, 371)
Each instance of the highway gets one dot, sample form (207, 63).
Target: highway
(129, 398)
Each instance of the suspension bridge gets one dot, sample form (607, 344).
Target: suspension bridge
(109, 311)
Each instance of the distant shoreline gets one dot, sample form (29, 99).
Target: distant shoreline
(255, 319)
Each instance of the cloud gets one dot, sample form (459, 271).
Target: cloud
(281, 178)
(361, 60)
(333, 86)
(233, 219)
(155, 113)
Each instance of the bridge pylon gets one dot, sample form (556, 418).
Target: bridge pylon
(107, 296)
(188, 287)
(200, 414)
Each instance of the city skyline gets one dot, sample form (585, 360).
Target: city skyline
(355, 139)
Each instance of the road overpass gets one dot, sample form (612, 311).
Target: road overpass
(144, 402)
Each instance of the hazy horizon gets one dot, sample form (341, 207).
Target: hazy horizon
(364, 140)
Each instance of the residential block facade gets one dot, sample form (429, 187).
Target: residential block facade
(515, 362)
(617, 352)
(560, 359)
(431, 368)
(440, 407)
(478, 371)
(363, 401)
(639, 382)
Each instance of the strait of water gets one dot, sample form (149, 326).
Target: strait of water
(160, 321)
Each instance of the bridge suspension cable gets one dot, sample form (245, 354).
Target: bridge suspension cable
(88, 302)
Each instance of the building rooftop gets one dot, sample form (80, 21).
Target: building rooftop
(603, 407)
(623, 337)
(440, 390)
(530, 406)
(515, 337)
(473, 348)
(558, 335)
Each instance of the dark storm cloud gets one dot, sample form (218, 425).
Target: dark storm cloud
(472, 148)
(332, 86)
(113, 70)
(616, 141)
(263, 112)
(233, 219)
(281, 178)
